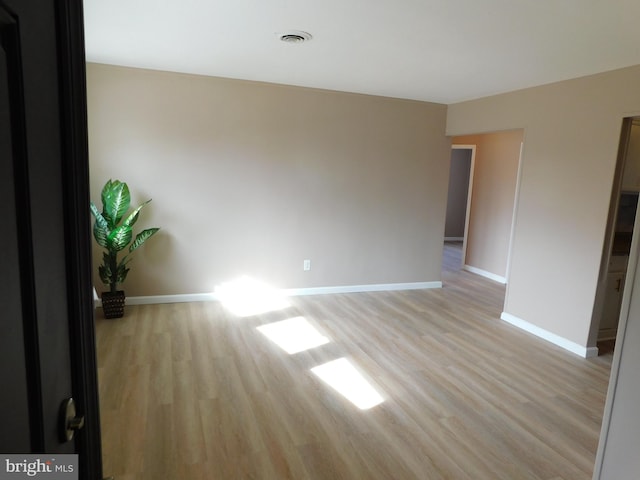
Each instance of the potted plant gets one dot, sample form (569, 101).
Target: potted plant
(114, 232)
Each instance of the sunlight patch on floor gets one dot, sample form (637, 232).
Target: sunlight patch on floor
(246, 296)
(341, 375)
(294, 335)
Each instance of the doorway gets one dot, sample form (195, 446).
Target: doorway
(458, 206)
(620, 231)
(491, 202)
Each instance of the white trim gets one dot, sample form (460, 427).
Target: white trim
(591, 352)
(290, 292)
(484, 273)
(585, 352)
(153, 299)
(384, 287)
(189, 297)
(454, 239)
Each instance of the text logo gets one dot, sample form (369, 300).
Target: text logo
(54, 467)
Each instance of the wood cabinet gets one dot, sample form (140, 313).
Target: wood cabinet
(612, 304)
(613, 297)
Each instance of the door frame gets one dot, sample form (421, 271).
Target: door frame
(62, 20)
(616, 190)
(75, 176)
(629, 290)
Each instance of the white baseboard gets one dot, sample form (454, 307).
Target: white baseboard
(290, 292)
(454, 239)
(187, 297)
(484, 273)
(152, 299)
(294, 292)
(585, 352)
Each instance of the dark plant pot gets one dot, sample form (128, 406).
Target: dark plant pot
(113, 304)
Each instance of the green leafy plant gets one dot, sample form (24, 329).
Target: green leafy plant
(114, 232)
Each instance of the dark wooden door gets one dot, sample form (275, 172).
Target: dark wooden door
(47, 346)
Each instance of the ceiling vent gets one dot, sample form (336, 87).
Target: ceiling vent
(294, 36)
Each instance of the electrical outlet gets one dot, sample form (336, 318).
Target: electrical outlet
(306, 265)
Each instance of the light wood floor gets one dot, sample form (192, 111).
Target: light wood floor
(191, 392)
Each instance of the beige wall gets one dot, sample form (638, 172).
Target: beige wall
(251, 179)
(572, 130)
(493, 195)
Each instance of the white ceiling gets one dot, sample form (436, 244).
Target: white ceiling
(442, 51)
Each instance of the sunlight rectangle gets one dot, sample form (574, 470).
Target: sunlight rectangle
(293, 335)
(342, 376)
(246, 297)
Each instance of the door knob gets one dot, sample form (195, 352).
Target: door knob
(70, 422)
